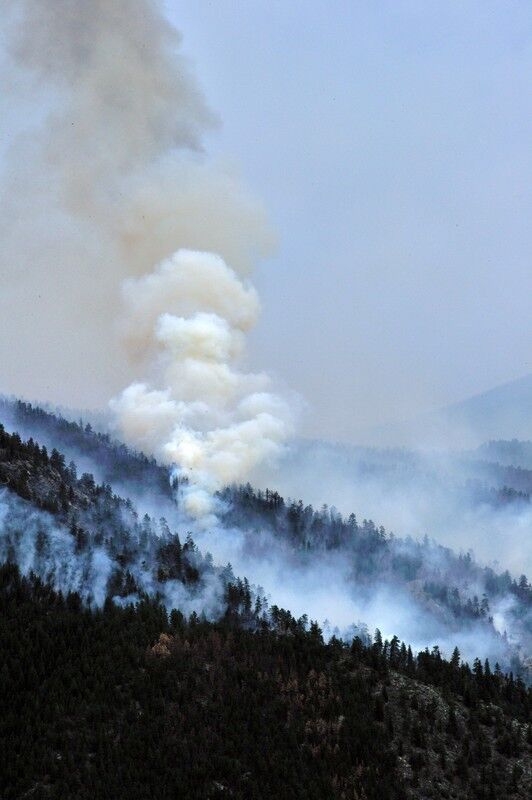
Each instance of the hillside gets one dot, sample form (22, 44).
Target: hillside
(128, 703)
(502, 412)
(144, 667)
(478, 498)
(87, 537)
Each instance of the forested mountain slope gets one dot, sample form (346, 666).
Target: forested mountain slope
(135, 665)
(130, 703)
(84, 536)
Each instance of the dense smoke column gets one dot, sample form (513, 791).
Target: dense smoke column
(120, 149)
(104, 177)
(186, 323)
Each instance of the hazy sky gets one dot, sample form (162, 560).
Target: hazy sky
(391, 145)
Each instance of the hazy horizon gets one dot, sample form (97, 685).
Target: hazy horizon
(384, 149)
(390, 146)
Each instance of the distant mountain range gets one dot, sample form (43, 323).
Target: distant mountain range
(504, 412)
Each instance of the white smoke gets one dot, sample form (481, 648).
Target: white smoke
(113, 183)
(186, 324)
(32, 539)
(104, 176)
(412, 493)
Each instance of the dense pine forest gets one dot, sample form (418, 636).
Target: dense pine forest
(117, 529)
(134, 665)
(135, 703)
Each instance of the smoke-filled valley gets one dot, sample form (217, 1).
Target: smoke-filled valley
(263, 566)
(477, 498)
(348, 574)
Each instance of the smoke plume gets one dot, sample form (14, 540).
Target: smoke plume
(121, 185)
(187, 322)
(104, 176)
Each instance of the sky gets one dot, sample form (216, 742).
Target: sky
(390, 145)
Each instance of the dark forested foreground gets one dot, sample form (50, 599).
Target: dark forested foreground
(128, 703)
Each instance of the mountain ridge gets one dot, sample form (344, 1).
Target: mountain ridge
(117, 676)
(500, 412)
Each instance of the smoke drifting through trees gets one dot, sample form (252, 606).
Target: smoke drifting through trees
(348, 574)
(110, 183)
(462, 499)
